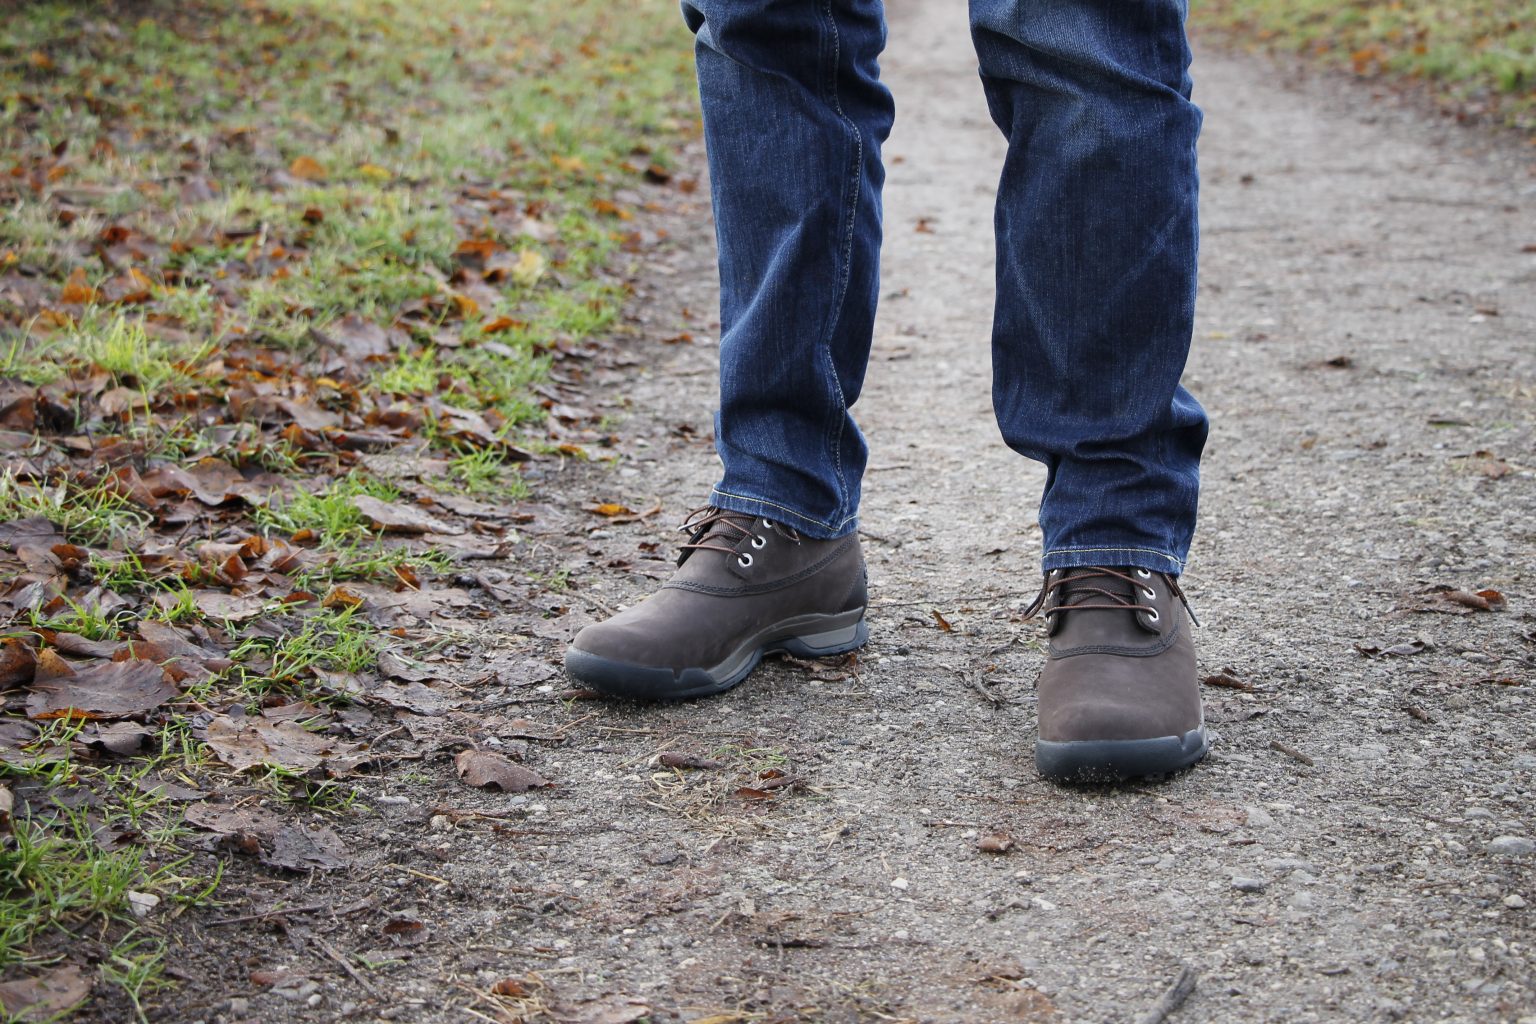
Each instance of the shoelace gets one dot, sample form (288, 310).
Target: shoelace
(1080, 592)
(730, 528)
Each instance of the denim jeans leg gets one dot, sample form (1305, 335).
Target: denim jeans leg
(1096, 254)
(794, 117)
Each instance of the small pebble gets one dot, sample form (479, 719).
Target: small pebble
(1514, 901)
(1511, 846)
(1258, 817)
(900, 883)
(1249, 884)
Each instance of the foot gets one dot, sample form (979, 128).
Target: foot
(1118, 695)
(745, 587)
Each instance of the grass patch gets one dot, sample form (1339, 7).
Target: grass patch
(1479, 56)
(87, 513)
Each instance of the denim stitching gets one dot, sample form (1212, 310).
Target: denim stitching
(1145, 551)
(786, 509)
(835, 436)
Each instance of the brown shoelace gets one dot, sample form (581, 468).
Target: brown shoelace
(729, 528)
(1093, 589)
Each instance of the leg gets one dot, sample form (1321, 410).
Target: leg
(1096, 243)
(794, 117)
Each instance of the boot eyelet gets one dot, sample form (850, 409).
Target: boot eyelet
(1151, 594)
(1143, 574)
(767, 524)
(759, 542)
(1152, 615)
(744, 560)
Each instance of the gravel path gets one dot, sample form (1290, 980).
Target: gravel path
(1357, 847)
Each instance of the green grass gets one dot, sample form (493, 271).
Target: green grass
(1480, 56)
(87, 513)
(59, 885)
(201, 193)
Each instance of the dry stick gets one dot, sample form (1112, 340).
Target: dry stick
(1172, 999)
(330, 951)
(1291, 752)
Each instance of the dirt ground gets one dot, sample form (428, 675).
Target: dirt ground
(1358, 846)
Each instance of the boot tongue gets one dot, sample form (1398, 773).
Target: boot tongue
(1104, 599)
(715, 530)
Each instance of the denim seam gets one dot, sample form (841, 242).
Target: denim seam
(835, 435)
(1146, 551)
(785, 508)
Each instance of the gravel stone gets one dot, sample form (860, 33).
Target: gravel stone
(1511, 846)
(1242, 884)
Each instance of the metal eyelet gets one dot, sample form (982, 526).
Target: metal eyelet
(1152, 615)
(744, 560)
(1144, 574)
(767, 524)
(759, 542)
(1151, 594)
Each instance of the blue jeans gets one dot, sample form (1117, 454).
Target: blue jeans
(1096, 253)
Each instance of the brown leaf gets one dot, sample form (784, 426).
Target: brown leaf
(609, 509)
(296, 848)
(44, 996)
(396, 517)
(1483, 600)
(122, 738)
(112, 689)
(997, 842)
(415, 697)
(253, 742)
(1402, 650)
(674, 759)
(942, 621)
(307, 168)
(1226, 681)
(18, 662)
(512, 988)
(78, 288)
(489, 770)
(405, 931)
(215, 604)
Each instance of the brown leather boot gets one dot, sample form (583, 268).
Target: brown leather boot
(745, 587)
(1118, 694)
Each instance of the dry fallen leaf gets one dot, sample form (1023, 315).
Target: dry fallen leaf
(673, 759)
(253, 742)
(489, 770)
(997, 842)
(396, 517)
(18, 662)
(307, 168)
(44, 996)
(297, 848)
(110, 689)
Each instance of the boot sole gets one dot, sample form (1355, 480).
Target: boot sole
(805, 636)
(1118, 760)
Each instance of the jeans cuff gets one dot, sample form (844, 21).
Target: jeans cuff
(812, 528)
(1141, 558)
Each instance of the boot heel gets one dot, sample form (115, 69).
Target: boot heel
(833, 641)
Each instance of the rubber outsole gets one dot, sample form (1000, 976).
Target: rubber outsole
(806, 636)
(1117, 760)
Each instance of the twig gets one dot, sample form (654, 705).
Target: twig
(1172, 999)
(330, 951)
(974, 679)
(285, 911)
(419, 874)
(1291, 752)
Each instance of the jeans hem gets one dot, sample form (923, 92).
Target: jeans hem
(1141, 558)
(814, 528)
